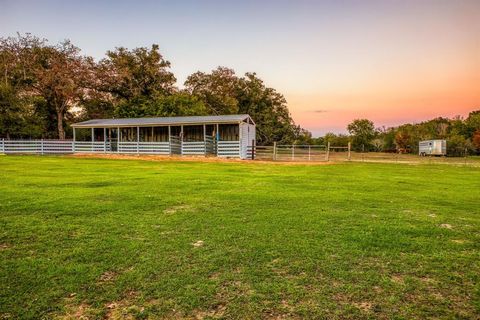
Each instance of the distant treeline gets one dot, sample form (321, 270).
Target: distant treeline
(462, 135)
(45, 87)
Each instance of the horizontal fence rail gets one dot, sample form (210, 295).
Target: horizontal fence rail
(36, 146)
(229, 149)
(193, 148)
(89, 147)
(288, 153)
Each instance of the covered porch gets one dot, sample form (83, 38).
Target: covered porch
(212, 135)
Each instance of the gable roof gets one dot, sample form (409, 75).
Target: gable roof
(162, 121)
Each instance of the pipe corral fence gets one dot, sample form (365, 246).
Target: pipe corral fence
(325, 153)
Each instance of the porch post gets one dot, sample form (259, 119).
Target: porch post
(204, 140)
(138, 140)
(73, 143)
(217, 138)
(104, 140)
(170, 140)
(119, 138)
(181, 140)
(240, 145)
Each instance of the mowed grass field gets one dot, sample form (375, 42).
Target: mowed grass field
(133, 239)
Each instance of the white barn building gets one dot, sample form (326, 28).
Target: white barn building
(222, 136)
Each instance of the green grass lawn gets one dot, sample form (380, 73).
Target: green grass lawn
(103, 238)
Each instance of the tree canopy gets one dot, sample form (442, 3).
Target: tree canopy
(462, 135)
(45, 87)
(362, 132)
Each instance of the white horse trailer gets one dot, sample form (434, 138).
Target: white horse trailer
(432, 148)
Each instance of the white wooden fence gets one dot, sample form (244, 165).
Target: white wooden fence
(36, 146)
(175, 146)
(228, 149)
(143, 147)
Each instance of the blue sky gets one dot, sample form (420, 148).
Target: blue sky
(390, 61)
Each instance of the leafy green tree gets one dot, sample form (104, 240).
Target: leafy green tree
(476, 140)
(458, 145)
(472, 123)
(130, 74)
(11, 117)
(269, 110)
(32, 68)
(95, 107)
(216, 89)
(177, 104)
(387, 135)
(60, 77)
(223, 92)
(403, 141)
(362, 132)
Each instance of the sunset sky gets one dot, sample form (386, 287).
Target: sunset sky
(388, 61)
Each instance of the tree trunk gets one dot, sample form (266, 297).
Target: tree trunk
(61, 132)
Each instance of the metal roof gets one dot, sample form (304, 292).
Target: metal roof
(127, 122)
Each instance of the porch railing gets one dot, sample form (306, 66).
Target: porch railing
(174, 146)
(228, 149)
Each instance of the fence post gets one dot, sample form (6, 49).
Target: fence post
(293, 152)
(274, 150)
(41, 146)
(349, 150)
(253, 149)
(327, 154)
(309, 158)
(2, 149)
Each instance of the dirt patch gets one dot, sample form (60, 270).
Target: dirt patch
(214, 276)
(432, 215)
(287, 306)
(108, 276)
(216, 312)
(124, 309)
(174, 209)
(427, 280)
(347, 300)
(459, 241)
(4, 246)
(364, 306)
(75, 311)
(193, 159)
(397, 278)
(446, 226)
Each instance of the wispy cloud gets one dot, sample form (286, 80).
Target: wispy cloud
(320, 110)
